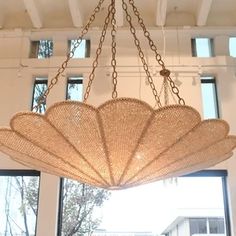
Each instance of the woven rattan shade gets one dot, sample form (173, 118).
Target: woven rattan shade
(120, 144)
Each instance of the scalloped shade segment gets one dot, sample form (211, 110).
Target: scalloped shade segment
(122, 143)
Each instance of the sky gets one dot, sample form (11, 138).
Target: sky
(152, 207)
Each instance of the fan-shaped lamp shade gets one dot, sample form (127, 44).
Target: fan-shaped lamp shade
(120, 144)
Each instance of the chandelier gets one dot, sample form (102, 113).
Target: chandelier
(124, 142)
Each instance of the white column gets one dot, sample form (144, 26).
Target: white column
(48, 205)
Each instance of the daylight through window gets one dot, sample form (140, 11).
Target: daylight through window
(232, 46)
(202, 47)
(40, 85)
(181, 207)
(41, 49)
(78, 201)
(18, 202)
(209, 97)
(74, 88)
(83, 51)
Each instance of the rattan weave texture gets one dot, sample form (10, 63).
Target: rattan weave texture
(120, 144)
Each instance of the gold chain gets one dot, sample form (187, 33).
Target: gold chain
(98, 52)
(153, 47)
(141, 54)
(54, 80)
(113, 50)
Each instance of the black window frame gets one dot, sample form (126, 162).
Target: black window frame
(34, 48)
(70, 80)
(73, 80)
(24, 172)
(224, 175)
(87, 48)
(212, 80)
(37, 80)
(203, 173)
(194, 46)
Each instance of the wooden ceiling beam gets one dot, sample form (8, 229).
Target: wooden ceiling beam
(34, 13)
(203, 12)
(76, 13)
(161, 12)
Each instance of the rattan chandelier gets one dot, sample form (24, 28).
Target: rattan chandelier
(124, 142)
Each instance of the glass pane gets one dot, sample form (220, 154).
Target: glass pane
(81, 50)
(18, 205)
(203, 47)
(209, 100)
(40, 86)
(75, 89)
(161, 208)
(80, 203)
(198, 226)
(216, 226)
(232, 46)
(45, 49)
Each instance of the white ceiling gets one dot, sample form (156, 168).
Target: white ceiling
(29, 14)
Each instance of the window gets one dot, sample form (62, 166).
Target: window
(41, 49)
(19, 191)
(216, 226)
(202, 47)
(209, 97)
(154, 203)
(232, 46)
(75, 88)
(83, 50)
(78, 201)
(198, 226)
(40, 85)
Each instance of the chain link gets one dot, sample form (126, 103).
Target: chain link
(113, 50)
(98, 52)
(175, 91)
(141, 54)
(54, 80)
(153, 47)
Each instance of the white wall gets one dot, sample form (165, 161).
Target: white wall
(16, 87)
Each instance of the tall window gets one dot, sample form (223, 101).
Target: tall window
(41, 49)
(117, 210)
(40, 85)
(18, 202)
(75, 88)
(202, 47)
(78, 201)
(232, 46)
(83, 50)
(209, 97)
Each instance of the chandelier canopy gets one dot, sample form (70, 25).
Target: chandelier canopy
(123, 142)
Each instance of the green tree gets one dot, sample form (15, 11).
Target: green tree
(79, 203)
(45, 48)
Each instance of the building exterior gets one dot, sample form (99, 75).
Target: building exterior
(116, 233)
(196, 226)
